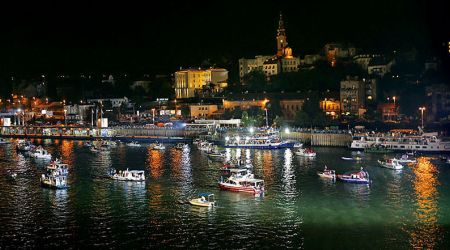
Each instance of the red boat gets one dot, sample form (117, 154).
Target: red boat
(247, 185)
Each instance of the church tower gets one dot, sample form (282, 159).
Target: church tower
(281, 37)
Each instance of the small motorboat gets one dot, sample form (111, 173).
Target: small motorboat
(305, 152)
(3, 141)
(406, 159)
(24, 146)
(88, 144)
(158, 146)
(54, 181)
(358, 177)
(357, 158)
(298, 145)
(133, 144)
(391, 164)
(203, 200)
(327, 173)
(412, 153)
(40, 153)
(128, 175)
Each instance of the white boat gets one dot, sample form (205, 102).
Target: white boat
(269, 140)
(357, 158)
(128, 175)
(305, 152)
(406, 159)
(58, 169)
(54, 181)
(391, 164)
(356, 177)
(133, 144)
(424, 142)
(158, 146)
(298, 145)
(328, 174)
(203, 200)
(40, 153)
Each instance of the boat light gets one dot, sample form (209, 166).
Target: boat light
(286, 130)
(227, 138)
(252, 130)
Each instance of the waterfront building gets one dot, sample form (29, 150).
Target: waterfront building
(282, 61)
(244, 104)
(192, 82)
(331, 107)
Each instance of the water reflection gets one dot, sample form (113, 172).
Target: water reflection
(288, 180)
(155, 162)
(426, 232)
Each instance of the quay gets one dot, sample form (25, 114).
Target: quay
(125, 133)
(320, 138)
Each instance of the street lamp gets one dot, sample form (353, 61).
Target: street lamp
(422, 109)
(65, 117)
(267, 120)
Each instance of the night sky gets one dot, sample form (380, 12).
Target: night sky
(112, 37)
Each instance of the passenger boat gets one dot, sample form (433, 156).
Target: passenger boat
(391, 164)
(128, 175)
(305, 152)
(248, 185)
(406, 159)
(268, 140)
(133, 144)
(203, 200)
(238, 173)
(328, 174)
(40, 153)
(358, 177)
(378, 149)
(420, 142)
(54, 181)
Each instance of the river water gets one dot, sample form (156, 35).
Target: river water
(399, 210)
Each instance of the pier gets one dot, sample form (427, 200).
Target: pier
(328, 139)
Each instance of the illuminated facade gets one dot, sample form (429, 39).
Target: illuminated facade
(331, 107)
(283, 61)
(352, 95)
(203, 110)
(191, 81)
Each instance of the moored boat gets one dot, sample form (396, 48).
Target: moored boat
(406, 159)
(158, 146)
(40, 153)
(358, 177)
(298, 145)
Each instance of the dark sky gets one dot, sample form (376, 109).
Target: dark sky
(159, 37)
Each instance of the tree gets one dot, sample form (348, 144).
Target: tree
(302, 119)
(255, 81)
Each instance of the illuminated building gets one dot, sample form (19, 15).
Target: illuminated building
(190, 82)
(203, 110)
(331, 107)
(290, 108)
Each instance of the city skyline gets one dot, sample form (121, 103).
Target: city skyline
(161, 39)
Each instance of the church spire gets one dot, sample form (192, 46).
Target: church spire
(281, 37)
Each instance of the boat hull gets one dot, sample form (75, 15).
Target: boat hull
(235, 188)
(262, 146)
(354, 181)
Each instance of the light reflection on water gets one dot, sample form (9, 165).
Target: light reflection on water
(425, 233)
(398, 210)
